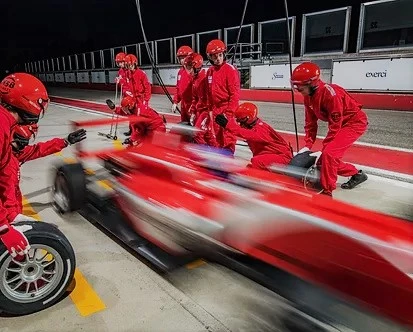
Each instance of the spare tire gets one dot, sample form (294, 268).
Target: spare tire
(303, 160)
(39, 279)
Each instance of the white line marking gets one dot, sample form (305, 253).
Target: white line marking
(394, 148)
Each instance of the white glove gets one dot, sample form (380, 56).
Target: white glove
(22, 217)
(304, 149)
(192, 119)
(14, 240)
(317, 155)
(117, 79)
(173, 108)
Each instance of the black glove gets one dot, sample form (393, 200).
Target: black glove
(221, 120)
(76, 136)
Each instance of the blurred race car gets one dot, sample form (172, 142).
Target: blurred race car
(171, 201)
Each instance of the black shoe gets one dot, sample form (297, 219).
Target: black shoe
(355, 180)
(128, 133)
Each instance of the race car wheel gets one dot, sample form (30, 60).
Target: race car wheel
(69, 188)
(38, 280)
(311, 180)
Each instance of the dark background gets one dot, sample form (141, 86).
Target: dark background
(34, 30)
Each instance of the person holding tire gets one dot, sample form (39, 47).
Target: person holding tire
(346, 123)
(23, 100)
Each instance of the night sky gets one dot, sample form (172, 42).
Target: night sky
(33, 30)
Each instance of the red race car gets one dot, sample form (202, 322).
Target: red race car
(171, 201)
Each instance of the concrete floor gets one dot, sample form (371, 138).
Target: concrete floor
(195, 298)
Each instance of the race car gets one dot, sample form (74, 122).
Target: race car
(172, 201)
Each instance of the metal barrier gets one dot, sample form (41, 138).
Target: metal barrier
(261, 43)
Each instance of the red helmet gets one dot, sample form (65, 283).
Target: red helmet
(120, 57)
(131, 59)
(194, 60)
(184, 51)
(128, 102)
(246, 113)
(305, 73)
(216, 46)
(26, 95)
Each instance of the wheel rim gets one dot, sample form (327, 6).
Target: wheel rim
(310, 180)
(30, 278)
(60, 194)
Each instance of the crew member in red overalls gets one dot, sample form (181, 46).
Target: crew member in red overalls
(141, 130)
(200, 116)
(23, 152)
(183, 93)
(267, 146)
(121, 79)
(23, 100)
(346, 123)
(223, 91)
(139, 86)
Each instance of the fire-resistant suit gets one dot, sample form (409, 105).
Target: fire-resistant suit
(346, 123)
(223, 97)
(13, 200)
(139, 87)
(7, 123)
(122, 79)
(199, 107)
(266, 145)
(183, 93)
(142, 130)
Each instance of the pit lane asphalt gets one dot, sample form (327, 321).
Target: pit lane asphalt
(390, 128)
(204, 298)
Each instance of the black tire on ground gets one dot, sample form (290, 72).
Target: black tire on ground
(55, 263)
(69, 185)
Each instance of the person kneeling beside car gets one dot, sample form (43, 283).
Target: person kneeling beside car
(266, 144)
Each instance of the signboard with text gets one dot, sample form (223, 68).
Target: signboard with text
(380, 74)
(270, 76)
(168, 76)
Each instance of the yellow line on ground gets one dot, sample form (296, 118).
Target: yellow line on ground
(118, 144)
(195, 264)
(105, 184)
(69, 160)
(86, 300)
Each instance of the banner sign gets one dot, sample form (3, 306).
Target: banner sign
(270, 76)
(168, 76)
(59, 77)
(148, 73)
(112, 75)
(82, 77)
(70, 78)
(98, 77)
(381, 74)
